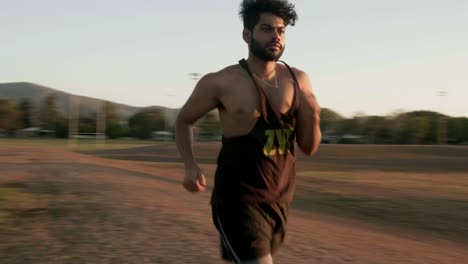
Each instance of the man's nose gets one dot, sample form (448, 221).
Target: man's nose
(277, 35)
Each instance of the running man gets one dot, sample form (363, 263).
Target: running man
(265, 108)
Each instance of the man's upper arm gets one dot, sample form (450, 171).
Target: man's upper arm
(308, 117)
(304, 81)
(306, 94)
(307, 101)
(204, 98)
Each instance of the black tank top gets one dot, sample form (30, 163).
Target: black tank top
(260, 166)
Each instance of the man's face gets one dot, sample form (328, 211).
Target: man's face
(267, 39)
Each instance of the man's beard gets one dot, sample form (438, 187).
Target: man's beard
(262, 52)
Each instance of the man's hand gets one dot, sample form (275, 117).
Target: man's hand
(194, 180)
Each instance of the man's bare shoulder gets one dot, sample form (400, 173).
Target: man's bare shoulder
(226, 74)
(219, 82)
(300, 74)
(302, 78)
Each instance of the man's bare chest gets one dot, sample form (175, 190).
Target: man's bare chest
(244, 98)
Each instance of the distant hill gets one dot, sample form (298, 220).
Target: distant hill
(88, 106)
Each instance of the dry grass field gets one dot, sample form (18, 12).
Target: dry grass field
(123, 203)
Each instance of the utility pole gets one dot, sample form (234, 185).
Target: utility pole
(195, 76)
(73, 119)
(442, 120)
(101, 123)
(168, 116)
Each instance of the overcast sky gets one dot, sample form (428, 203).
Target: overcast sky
(363, 56)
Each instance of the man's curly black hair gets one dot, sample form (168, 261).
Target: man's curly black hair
(250, 11)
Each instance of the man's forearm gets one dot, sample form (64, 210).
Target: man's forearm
(317, 133)
(184, 141)
(308, 124)
(309, 134)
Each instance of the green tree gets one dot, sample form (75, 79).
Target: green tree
(209, 125)
(49, 114)
(8, 116)
(376, 129)
(464, 129)
(25, 112)
(113, 120)
(143, 123)
(401, 130)
(61, 127)
(87, 124)
(329, 120)
(349, 126)
(418, 127)
(457, 130)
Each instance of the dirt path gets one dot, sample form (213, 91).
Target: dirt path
(110, 211)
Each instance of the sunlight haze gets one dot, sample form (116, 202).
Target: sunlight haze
(372, 57)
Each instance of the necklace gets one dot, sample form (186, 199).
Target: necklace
(267, 83)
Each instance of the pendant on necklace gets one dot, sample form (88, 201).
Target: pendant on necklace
(267, 83)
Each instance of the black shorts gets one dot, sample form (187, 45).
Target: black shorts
(250, 230)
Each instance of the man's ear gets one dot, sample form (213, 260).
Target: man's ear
(246, 35)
